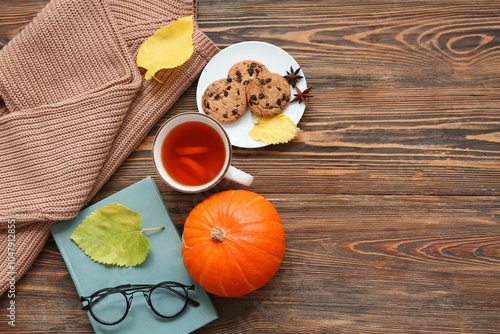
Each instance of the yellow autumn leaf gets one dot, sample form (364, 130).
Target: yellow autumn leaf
(169, 47)
(274, 130)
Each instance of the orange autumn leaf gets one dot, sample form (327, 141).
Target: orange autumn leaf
(169, 47)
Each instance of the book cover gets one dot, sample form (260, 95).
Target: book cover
(163, 263)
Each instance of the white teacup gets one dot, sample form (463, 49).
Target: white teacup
(227, 171)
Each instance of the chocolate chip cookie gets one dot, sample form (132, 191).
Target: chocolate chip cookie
(269, 95)
(225, 100)
(247, 70)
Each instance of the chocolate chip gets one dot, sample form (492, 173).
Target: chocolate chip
(211, 94)
(253, 97)
(278, 102)
(238, 73)
(228, 88)
(262, 82)
(225, 116)
(235, 112)
(207, 104)
(278, 88)
(250, 71)
(229, 79)
(261, 96)
(217, 96)
(225, 94)
(239, 79)
(268, 80)
(254, 65)
(284, 98)
(238, 92)
(267, 104)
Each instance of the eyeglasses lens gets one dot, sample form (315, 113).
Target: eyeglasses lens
(109, 307)
(168, 300)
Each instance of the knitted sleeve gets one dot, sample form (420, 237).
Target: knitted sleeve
(67, 81)
(73, 104)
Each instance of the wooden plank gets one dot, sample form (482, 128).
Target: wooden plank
(352, 263)
(390, 195)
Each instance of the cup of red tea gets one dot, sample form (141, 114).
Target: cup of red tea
(192, 153)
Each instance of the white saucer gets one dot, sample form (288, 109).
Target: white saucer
(274, 58)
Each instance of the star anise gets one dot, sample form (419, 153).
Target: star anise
(293, 76)
(302, 96)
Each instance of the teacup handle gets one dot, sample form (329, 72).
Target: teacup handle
(238, 176)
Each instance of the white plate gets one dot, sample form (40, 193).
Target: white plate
(274, 58)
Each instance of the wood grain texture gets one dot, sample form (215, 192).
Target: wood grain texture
(389, 196)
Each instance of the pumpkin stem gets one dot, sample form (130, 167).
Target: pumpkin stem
(218, 234)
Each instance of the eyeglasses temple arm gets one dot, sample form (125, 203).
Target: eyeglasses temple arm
(191, 302)
(85, 299)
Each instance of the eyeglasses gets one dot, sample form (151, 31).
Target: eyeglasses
(110, 306)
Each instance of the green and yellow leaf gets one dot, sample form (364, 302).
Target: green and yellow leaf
(113, 235)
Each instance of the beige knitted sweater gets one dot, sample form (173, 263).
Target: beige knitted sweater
(73, 105)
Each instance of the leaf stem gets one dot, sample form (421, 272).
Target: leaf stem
(158, 80)
(254, 121)
(153, 228)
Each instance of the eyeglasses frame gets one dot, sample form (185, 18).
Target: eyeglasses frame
(129, 296)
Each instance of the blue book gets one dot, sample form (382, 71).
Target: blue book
(163, 263)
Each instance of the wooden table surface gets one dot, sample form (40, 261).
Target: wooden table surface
(390, 195)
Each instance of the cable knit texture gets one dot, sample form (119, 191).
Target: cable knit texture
(74, 105)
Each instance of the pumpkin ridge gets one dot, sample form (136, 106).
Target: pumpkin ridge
(221, 286)
(261, 272)
(184, 243)
(231, 197)
(195, 236)
(237, 265)
(244, 224)
(257, 198)
(245, 279)
(207, 213)
(220, 253)
(207, 268)
(259, 249)
(228, 209)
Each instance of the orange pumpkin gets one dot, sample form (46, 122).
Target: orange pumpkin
(233, 243)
